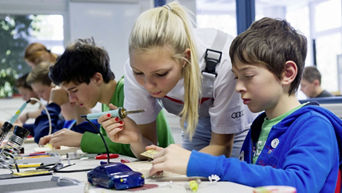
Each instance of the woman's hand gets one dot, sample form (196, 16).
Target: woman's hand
(120, 131)
(64, 137)
(173, 159)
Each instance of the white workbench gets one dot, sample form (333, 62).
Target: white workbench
(168, 183)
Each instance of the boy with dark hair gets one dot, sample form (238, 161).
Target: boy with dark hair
(311, 83)
(289, 143)
(63, 114)
(83, 70)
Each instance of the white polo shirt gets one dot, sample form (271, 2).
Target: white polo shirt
(228, 115)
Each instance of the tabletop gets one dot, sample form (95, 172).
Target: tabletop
(168, 182)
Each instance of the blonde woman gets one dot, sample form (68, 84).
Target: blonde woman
(169, 69)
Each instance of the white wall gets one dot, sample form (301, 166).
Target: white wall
(109, 24)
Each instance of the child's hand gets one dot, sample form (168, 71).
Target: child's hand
(45, 140)
(64, 137)
(173, 159)
(59, 96)
(120, 131)
(22, 118)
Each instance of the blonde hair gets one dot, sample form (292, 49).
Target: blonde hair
(170, 26)
(37, 53)
(40, 74)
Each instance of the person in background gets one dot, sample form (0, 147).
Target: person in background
(36, 53)
(63, 114)
(25, 90)
(311, 83)
(71, 120)
(41, 85)
(83, 71)
(40, 82)
(170, 67)
(289, 143)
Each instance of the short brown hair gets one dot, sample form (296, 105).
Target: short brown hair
(80, 61)
(271, 42)
(311, 73)
(22, 83)
(40, 74)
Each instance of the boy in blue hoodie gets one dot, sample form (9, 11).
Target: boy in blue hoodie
(289, 143)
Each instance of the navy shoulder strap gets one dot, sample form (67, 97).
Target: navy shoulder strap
(213, 55)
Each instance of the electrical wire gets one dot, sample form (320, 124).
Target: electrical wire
(84, 170)
(47, 113)
(104, 142)
(71, 171)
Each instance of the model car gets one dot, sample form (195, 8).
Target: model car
(115, 175)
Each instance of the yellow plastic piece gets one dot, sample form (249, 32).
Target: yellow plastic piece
(31, 173)
(193, 185)
(261, 190)
(48, 146)
(28, 165)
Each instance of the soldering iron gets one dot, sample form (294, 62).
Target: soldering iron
(6, 127)
(119, 112)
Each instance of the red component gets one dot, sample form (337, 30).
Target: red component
(145, 187)
(104, 156)
(124, 161)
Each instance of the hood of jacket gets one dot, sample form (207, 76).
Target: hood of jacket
(284, 124)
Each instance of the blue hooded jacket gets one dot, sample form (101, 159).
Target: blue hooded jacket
(301, 151)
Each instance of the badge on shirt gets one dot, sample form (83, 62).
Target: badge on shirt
(274, 143)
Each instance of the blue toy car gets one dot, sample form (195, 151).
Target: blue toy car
(115, 175)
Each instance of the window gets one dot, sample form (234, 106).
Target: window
(217, 14)
(16, 33)
(50, 32)
(318, 20)
(327, 32)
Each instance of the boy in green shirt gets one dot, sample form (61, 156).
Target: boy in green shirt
(83, 71)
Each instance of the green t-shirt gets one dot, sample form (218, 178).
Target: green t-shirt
(92, 143)
(266, 128)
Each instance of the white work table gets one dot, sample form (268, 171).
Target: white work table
(169, 182)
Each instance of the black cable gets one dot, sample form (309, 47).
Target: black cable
(83, 170)
(104, 142)
(57, 168)
(15, 161)
(16, 165)
(71, 171)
